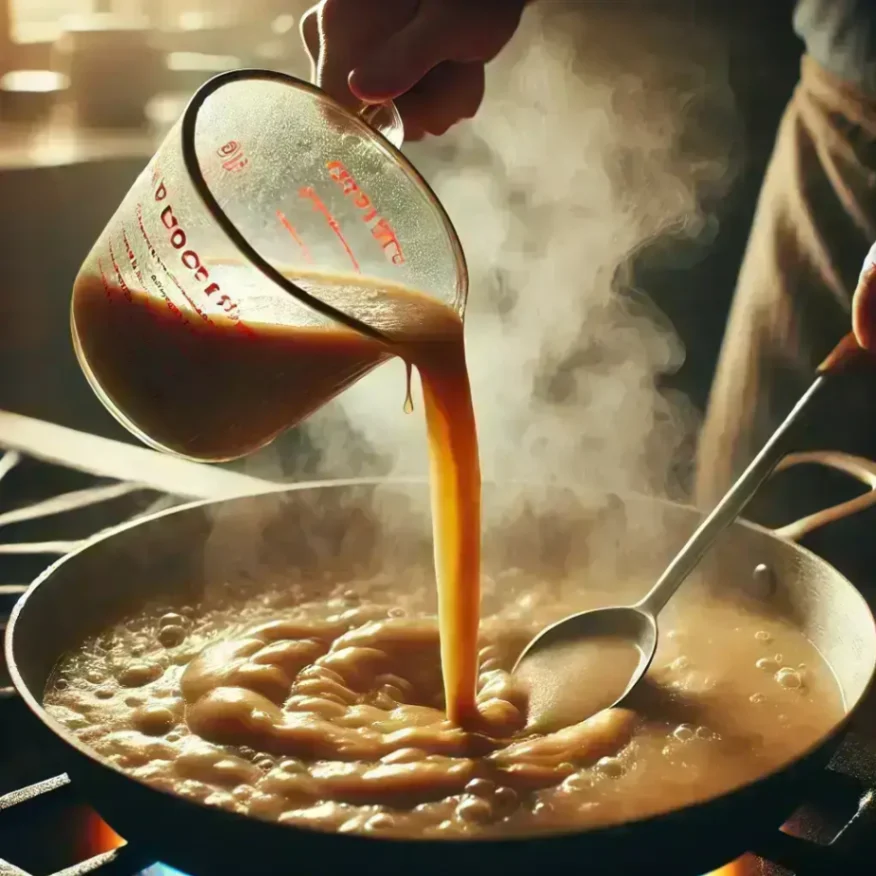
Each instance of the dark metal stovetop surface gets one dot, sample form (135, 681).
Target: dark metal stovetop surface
(48, 829)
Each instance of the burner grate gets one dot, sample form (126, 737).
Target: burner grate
(59, 488)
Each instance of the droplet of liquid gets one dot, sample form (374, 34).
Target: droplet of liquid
(409, 400)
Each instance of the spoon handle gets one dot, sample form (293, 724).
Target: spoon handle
(728, 509)
(843, 356)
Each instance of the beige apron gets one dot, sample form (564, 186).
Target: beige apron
(815, 222)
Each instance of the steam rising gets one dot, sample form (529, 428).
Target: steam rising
(590, 145)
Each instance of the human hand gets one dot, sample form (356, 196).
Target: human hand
(426, 55)
(864, 304)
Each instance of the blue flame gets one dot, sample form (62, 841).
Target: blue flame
(161, 870)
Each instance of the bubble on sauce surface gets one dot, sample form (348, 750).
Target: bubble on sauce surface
(153, 719)
(172, 635)
(789, 678)
(576, 782)
(140, 674)
(475, 809)
(611, 767)
(684, 732)
(505, 799)
(481, 788)
(106, 691)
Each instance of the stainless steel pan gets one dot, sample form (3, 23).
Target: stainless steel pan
(337, 527)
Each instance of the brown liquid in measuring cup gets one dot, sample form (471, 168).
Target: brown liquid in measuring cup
(213, 389)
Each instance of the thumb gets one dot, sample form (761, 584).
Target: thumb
(442, 30)
(864, 304)
(349, 31)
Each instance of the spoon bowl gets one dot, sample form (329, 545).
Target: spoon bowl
(613, 647)
(630, 623)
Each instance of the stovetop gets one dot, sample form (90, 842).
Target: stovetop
(58, 488)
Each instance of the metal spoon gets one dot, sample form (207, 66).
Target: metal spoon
(550, 662)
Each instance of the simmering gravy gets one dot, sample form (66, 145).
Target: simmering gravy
(331, 714)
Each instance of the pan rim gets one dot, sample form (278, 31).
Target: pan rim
(36, 706)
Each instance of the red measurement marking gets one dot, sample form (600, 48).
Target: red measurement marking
(136, 268)
(381, 230)
(133, 259)
(103, 277)
(321, 208)
(192, 261)
(295, 236)
(175, 311)
(233, 159)
(121, 280)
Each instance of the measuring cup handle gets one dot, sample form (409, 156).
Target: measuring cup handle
(385, 119)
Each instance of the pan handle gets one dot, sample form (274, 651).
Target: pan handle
(857, 467)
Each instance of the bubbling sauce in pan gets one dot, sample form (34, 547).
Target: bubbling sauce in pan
(331, 714)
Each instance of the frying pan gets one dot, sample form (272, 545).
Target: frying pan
(347, 529)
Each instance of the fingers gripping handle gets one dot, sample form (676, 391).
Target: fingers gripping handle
(382, 117)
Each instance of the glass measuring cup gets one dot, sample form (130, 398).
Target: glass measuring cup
(248, 275)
